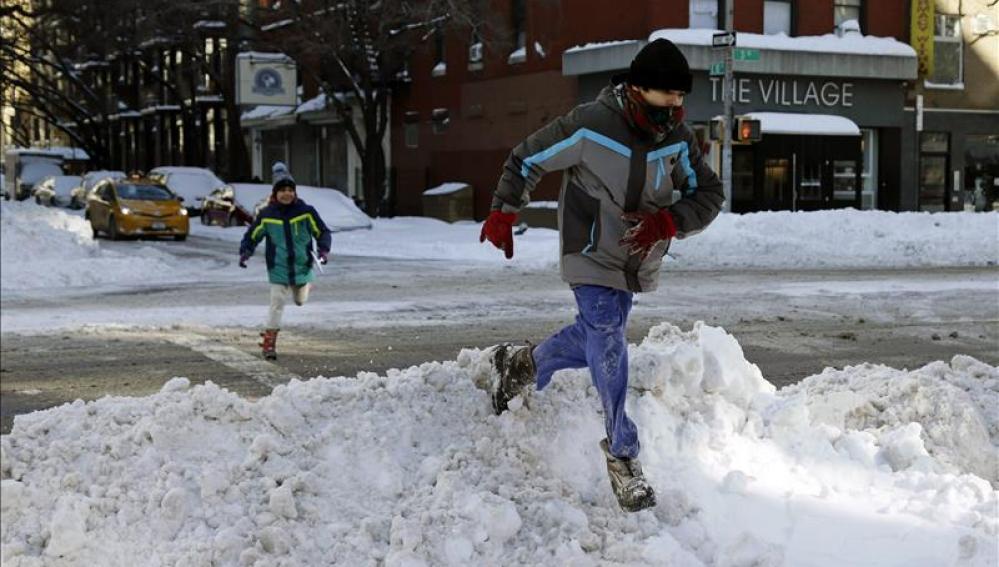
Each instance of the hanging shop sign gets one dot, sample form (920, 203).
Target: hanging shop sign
(266, 78)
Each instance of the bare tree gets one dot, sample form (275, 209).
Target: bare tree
(357, 51)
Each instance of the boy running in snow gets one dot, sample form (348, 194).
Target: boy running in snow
(623, 156)
(289, 225)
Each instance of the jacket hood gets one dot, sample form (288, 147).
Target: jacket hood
(609, 97)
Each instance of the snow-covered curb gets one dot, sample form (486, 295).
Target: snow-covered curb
(412, 468)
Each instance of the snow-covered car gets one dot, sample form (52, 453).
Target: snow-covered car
(26, 167)
(56, 190)
(78, 196)
(337, 210)
(222, 208)
(193, 184)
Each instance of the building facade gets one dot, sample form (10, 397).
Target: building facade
(835, 85)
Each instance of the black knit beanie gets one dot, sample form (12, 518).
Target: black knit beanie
(661, 65)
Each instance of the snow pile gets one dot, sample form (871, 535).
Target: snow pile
(842, 239)
(44, 248)
(412, 469)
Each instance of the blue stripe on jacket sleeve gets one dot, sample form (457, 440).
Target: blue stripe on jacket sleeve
(578, 136)
(684, 151)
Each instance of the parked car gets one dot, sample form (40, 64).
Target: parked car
(222, 208)
(25, 168)
(78, 196)
(56, 190)
(191, 183)
(136, 206)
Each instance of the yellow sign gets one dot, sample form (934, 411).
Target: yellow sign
(922, 34)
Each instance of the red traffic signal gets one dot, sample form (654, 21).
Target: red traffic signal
(748, 130)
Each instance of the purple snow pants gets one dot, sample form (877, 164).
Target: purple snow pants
(597, 340)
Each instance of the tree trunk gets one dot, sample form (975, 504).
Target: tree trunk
(373, 177)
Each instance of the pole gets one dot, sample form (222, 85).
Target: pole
(727, 120)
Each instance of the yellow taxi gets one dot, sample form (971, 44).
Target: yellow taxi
(136, 206)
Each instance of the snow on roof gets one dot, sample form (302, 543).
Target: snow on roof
(266, 111)
(263, 56)
(828, 43)
(813, 124)
(70, 153)
(447, 188)
(314, 104)
(600, 45)
(276, 25)
(208, 24)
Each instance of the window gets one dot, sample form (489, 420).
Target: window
(845, 10)
(475, 52)
(518, 26)
(439, 119)
(704, 14)
(869, 173)
(948, 61)
(412, 129)
(933, 148)
(777, 17)
(439, 56)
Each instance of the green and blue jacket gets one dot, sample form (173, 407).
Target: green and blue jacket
(289, 231)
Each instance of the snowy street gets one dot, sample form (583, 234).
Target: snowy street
(373, 314)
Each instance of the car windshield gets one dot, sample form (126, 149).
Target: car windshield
(143, 192)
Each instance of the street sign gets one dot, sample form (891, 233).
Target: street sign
(716, 69)
(723, 39)
(745, 54)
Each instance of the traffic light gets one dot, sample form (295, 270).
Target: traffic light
(748, 130)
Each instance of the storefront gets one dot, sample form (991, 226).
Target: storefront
(831, 109)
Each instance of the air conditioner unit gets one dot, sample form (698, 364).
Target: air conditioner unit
(982, 24)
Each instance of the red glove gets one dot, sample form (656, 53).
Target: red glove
(498, 228)
(651, 228)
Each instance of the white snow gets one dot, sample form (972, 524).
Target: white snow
(810, 124)
(863, 466)
(828, 43)
(337, 210)
(191, 183)
(266, 111)
(600, 45)
(44, 243)
(48, 249)
(447, 188)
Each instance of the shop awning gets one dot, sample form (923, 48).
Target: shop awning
(807, 124)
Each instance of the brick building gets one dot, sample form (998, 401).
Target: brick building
(467, 106)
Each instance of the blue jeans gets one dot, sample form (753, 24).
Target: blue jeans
(597, 340)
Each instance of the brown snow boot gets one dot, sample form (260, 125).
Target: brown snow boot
(633, 492)
(268, 344)
(513, 371)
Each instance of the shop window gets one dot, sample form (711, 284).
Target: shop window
(777, 17)
(704, 14)
(411, 129)
(846, 10)
(776, 179)
(810, 188)
(869, 173)
(844, 180)
(742, 175)
(933, 148)
(981, 172)
(948, 53)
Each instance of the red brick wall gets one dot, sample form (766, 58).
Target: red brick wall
(748, 15)
(888, 18)
(815, 17)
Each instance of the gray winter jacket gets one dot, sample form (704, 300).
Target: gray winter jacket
(611, 168)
